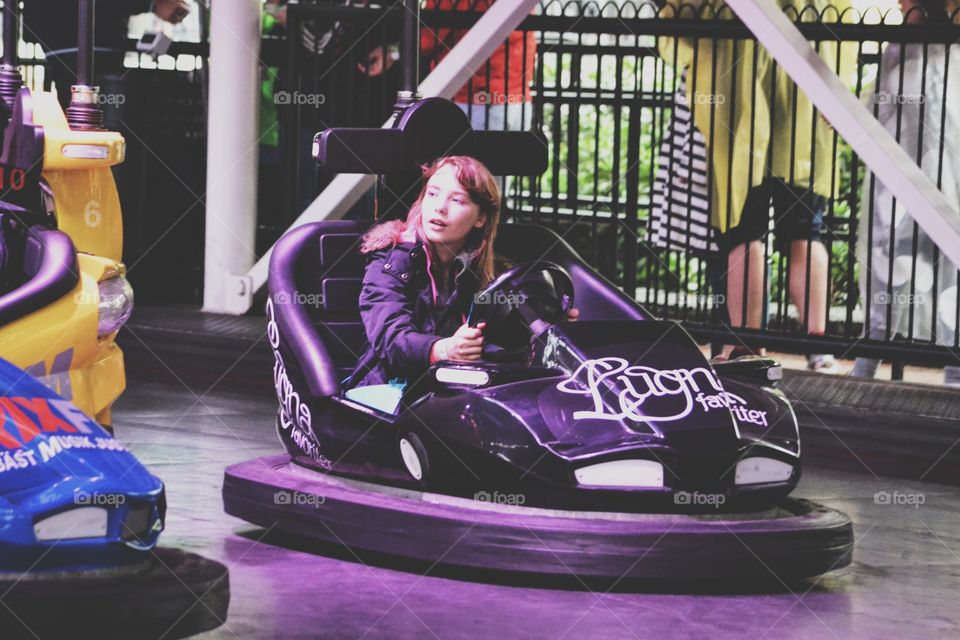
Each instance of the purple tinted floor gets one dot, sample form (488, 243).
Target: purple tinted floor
(903, 582)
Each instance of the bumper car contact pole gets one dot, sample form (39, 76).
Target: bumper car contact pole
(410, 57)
(85, 112)
(10, 78)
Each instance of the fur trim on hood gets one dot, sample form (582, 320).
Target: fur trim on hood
(386, 234)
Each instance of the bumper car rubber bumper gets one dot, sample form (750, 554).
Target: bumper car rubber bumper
(795, 539)
(174, 594)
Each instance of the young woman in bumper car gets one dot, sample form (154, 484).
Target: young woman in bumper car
(418, 299)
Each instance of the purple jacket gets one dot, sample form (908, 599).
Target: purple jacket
(403, 313)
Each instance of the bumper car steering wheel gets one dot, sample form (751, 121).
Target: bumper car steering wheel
(520, 304)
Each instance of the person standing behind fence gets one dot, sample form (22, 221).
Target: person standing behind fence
(917, 99)
(766, 149)
(497, 97)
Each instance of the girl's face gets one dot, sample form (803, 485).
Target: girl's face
(447, 212)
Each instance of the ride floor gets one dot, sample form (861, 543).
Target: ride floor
(902, 583)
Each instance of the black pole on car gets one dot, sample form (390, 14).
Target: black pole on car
(85, 112)
(10, 78)
(85, 25)
(388, 204)
(409, 55)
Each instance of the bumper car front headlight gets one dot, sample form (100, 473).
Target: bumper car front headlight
(621, 473)
(116, 304)
(758, 470)
(81, 522)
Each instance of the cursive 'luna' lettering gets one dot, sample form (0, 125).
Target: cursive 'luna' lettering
(634, 385)
(294, 413)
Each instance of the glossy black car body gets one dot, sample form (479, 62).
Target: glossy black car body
(617, 410)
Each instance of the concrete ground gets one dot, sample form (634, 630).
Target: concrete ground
(902, 583)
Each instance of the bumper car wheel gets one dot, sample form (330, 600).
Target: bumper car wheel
(414, 456)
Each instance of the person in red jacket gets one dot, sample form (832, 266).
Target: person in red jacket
(497, 95)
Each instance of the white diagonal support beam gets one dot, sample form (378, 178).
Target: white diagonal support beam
(874, 144)
(444, 81)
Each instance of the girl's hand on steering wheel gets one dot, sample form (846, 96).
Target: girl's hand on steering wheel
(463, 346)
(572, 314)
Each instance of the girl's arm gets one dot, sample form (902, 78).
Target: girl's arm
(386, 308)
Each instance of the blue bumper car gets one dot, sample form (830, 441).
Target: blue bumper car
(80, 519)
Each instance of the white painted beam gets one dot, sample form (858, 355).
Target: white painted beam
(231, 199)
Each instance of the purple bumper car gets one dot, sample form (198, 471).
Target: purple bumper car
(571, 446)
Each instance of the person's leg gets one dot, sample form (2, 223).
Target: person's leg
(746, 263)
(809, 295)
(799, 230)
(745, 268)
(745, 278)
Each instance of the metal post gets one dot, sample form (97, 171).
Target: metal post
(10, 79)
(231, 211)
(85, 24)
(85, 111)
(410, 47)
